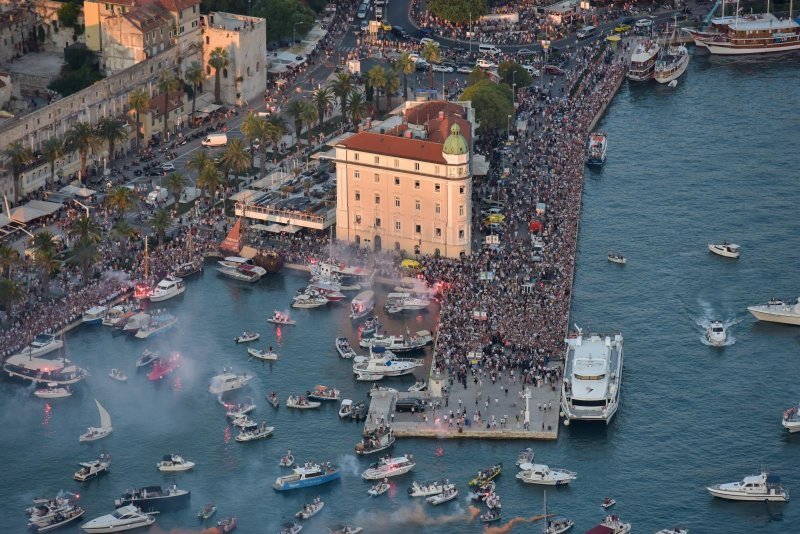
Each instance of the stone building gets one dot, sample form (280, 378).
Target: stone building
(18, 31)
(131, 37)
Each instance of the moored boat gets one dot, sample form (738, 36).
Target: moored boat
(167, 288)
(243, 273)
(525, 456)
(309, 300)
(154, 497)
(384, 363)
(398, 343)
(597, 148)
(643, 61)
(744, 34)
(156, 325)
(374, 441)
(362, 304)
(309, 474)
(389, 466)
(41, 345)
(93, 469)
(94, 315)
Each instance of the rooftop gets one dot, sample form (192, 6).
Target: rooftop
(231, 21)
(148, 17)
(401, 147)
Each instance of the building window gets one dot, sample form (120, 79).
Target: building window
(377, 199)
(358, 196)
(416, 166)
(181, 29)
(356, 174)
(225, 73)
(437, 232)
(438, 208)
(248, 72)
(396, 163)
(461, 232)
(436, 169)
(437, 188)
(397, 225)
(461, 210)
(377, 160)
(208, 70)
(417, 205)
(376, 178)
(417, 229)
(355, 156)
(416, 184)
(396, 202)
(258, 65)
(461, 190)
(377, 222)
(396, 180)
(358, 219)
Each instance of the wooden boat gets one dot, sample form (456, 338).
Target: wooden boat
(487, 475)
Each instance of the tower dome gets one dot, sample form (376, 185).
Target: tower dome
(455, 144)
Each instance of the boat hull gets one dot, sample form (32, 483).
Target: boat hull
(166, 296)
(121, 526)
(736, 496)
(728, 49)
(159, 503)
(791, 426)
(773, 317)
(306, 483)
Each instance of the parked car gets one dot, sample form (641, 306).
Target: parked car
(622, 27)
(486, 64)
(552, 69)
(421, 65)
(465, 68)
(406, 405)
(440, 67)
(533, 71)
(167, 167)
(525, 52)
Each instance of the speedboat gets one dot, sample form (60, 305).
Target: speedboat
(207, 511)
(41, 345)
(345, 529)
(558, 525)
(344, 349)
(608, 502)
(124, 518)
(174, 462)
(309, 300)
(93, 469)
(146, 358)
(185, 270)
(273, 399)
(432, 488)
(673, 530)
(389, 467)
(716, 334)
(362, 376)
(154, 497)
(362, 304)
(241, 269)
(378, 488)
(94, 315)
(254, 432)
(323, 393)
(544, 475)
(487, 475)
(228, 381)
(164, 367)
(611, 524)
(616, 257)
(725, 249)
(53, 391)
(483, 492)
(114, 314)
(525, 456)
(777, 311)
(247, 337)
(287, 460)
(240, 409)
(57, 520)
(445, 496)
(242, 421)
(419, 385)
(597, 148)
(281, 318)
(762, 487)
(226, 525)
(156, 325)
(167, 288)
(791, 419)
(370, 327)
(359, 411)
(375, 441)
(385, 363)
(261, 354)
(300, 402)
(134, 323)
(291, 528)
(311, 509)
(490, 516)
(309, 474)
(104, 430)
(118, 375)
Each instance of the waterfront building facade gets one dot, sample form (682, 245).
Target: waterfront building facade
(131, 37)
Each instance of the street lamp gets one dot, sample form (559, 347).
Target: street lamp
(514, 84)
(508, 126)
(294, 32)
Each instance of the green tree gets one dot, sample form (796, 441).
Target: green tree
(195, 76)
(285, 18)
(218, 61)
(10, 293)
(167, 83)
(82, 138)
(391, 87)
(323, 99)
(199, 162)
(175, 183)
(139, 101)
(44, 241)
(309, 116)
(84, 253)
(159, 222)
(122, 200)
(377, 79)
(111, 131)
(432, 54)
(492, 102)
(512, 73)
(341, 87)
(16, 156)
(276, 129)
(236, 158)
(295, 111)
(52, 151)
(356, 107)
(255, 129)
(458, 11)
(68, 14)
(123, 232)
(85, 228)
(406, 66)
(209, 179)
(477, 75)
(9, 257)
(46, 262)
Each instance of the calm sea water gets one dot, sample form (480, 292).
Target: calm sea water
(715, 158)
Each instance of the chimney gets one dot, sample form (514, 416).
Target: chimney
(383, 131)
(369, 123)
(408, 134)
(441, 115)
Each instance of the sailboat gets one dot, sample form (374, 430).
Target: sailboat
(557, 525)
(105, 428)
(672, 60)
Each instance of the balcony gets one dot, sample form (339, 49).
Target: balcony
(317, 221)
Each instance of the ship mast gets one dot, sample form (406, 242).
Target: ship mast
(146, 260)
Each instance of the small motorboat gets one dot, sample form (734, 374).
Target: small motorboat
(616, 257)
(345, 529)
(673, 530)
(344, 349)
(418, 489)
(323, 393)
(544, 475)
(311, 509)
(94, 315)
(263, 355)
(379, 489)
(558, 525)
(443, 497)
(346, 408)
(608, 502)
(376, 440)
(93, 469)
(482, 492)
(207, 511)
(309, 300)
(791, 419)
(492, 501)
(226, 525)
(242, 421)
(370, 327)
(364, 376)
(420, 385)
(146, 358)
(53, 391)
(525, 456)
(118, 375)
(124, 518)
(291, 528)
(487, 475)
(613, 525)
(716, 334)
(174, 462)
(287, 460)
(725, 249)
(672, 84)
(247, 337)
(490, 516)
(597, 148)
(281, 318)
(301, 402)
(273, 399)
(255, 432)
(57, 520)
(238, 409)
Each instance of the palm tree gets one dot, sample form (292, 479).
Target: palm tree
(46, 261)
(377, 79)
(255, 129)
(195, 76)
(236, 158)
(82, 138)
(342, 86)
(52, 151)
(209, 179)
(432, 54)
(16, 156)
(124, 232)
(218, 61)
(44, 241)
(85, 228)
(406, 66)
(121, 199)
(139, 101)
(175, 183)
(167, 83)
(111, 131)
(159, 222)
(199, 162)
(309, 116)
(356, 107)
(323, 99)
(84, 253)
(9, 257)
(391, 86)
(276, 129)
(295, 111)
(10, 293)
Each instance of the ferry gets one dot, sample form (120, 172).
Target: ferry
(777, 311)
(592, 377)
(596, 151)
(748, 34)
(643, 61)
(307, 475)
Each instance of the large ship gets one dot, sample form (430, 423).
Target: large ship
(672, 59)
(37, 364)
(643, 61)
(592, 377)
(748, 34)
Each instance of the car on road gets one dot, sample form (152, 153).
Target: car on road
(622, 28)
(525, 52)
(399, 32)
(423, 32)
(409, 404)
(586, 32)
(464, 68)
(425, 40)
(421, 65)
(486, 64)
(643, 25)
(441, 67)
(552, 69)
(533, 71)
(168, 167)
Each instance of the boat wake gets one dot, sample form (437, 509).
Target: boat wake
(705, 322)
(506, 527)
(349, 464)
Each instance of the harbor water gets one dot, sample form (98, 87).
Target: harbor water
(714, 158)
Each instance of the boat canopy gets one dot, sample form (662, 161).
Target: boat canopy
(600, 529)
(773, 479)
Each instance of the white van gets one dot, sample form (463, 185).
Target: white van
(362, 11)
(586, 32)
(484, 48)
(485, 64)
(215, 139)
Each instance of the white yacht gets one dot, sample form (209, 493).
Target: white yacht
(156, 325)
(104, 430)
(725, 249)
(93, 469)
(41, 345)
(384, 363)
(791, 419)
(592, 377)
(228, 381)
(243, 273)
(94, 315)
(309, 300)
(53, 391)
(643, 61)
(398, 343)
(167, 288)
(760, 488)
(389, 467)
(427, 490)
(716, 335)
(124, 518)
(174, 462)
(544, 475)
(777, 311)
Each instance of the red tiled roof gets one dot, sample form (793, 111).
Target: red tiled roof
(157, 102)
(388, 145)
(147, 17)
(422, 113)
(439, 129)
(178, 5)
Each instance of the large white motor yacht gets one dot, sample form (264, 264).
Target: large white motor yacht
(384, 363)
(228, 381)
(544, 475)
(725, 249)
(791, 419)
(167, 288)
(41, 345)
(777, 311)
(592, 377)
(389, 467)
(716, 334)
(124, 518)
(761, 487)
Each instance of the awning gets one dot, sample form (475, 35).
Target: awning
(480, 167)
(4, 220)
(245, 195)
(260, 227)
(210, 108)
(24, 214)
(82, 192)
(291, 229)
(45, 207)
